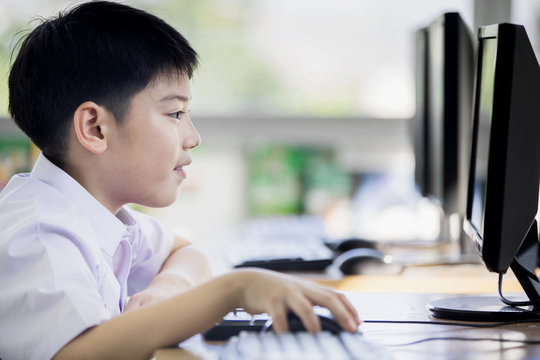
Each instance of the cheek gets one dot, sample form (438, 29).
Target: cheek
(154, 151)
(165, 149)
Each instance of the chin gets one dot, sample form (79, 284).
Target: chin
(161, 201)
(165, 202)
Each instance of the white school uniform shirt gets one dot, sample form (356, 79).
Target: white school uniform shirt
(66, 262)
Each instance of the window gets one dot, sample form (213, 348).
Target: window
(281, 57)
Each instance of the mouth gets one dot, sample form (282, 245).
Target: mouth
(179, 169)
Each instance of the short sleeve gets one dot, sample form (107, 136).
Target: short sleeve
(48, 294)
(151, 244)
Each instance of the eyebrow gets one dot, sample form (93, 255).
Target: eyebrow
(174, 97)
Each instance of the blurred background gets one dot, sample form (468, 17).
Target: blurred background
(303, 107)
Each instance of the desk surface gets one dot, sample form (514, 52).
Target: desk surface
(404, 297)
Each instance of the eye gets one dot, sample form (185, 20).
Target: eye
(177, 114)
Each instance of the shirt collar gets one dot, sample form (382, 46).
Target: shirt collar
(110, 230)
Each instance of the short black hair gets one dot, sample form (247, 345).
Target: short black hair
(99, 51)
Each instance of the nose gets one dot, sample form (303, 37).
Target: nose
(193, 138)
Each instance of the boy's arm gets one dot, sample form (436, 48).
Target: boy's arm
(185, 267)
(138, 333)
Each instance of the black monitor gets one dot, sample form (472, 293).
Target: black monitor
(442, 127)
(504, 174)
(444, 84)
(451, 77)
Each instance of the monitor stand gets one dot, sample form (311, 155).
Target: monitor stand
(492, 308)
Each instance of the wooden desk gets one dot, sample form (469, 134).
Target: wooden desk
(412, 307)
(444, 279)
(404, 298)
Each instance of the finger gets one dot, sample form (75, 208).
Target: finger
(335, 302)
(140, 299)
(352, 310)
(279, 319)
(303, 308)
(132, 304)
(347, 321)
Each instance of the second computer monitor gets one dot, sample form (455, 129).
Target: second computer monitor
(445, 77)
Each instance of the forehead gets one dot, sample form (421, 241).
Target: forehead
(163, 93)
(169, 84)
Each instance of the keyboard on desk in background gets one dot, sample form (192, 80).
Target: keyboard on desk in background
(281, 254)
(288, 243)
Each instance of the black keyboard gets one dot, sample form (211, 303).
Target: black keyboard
(288, 264)
(289, 243)
(303, 345)
(282, 255)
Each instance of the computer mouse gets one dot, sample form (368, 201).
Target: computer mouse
(342, 245)
(328, 323)
(359, 261)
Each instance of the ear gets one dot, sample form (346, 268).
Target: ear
(89, 122)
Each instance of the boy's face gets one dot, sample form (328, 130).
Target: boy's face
(150, 148)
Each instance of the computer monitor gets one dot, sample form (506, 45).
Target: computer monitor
(504, 174)
(442, 126)
(448, 107)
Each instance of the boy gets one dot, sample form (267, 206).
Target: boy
(103, 90)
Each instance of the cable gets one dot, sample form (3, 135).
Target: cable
(458, 338)
(454, 323)
(514, 303)
(473, 325)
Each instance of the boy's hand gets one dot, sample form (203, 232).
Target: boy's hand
(163, 286)
(185, 267)
(276, 294)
